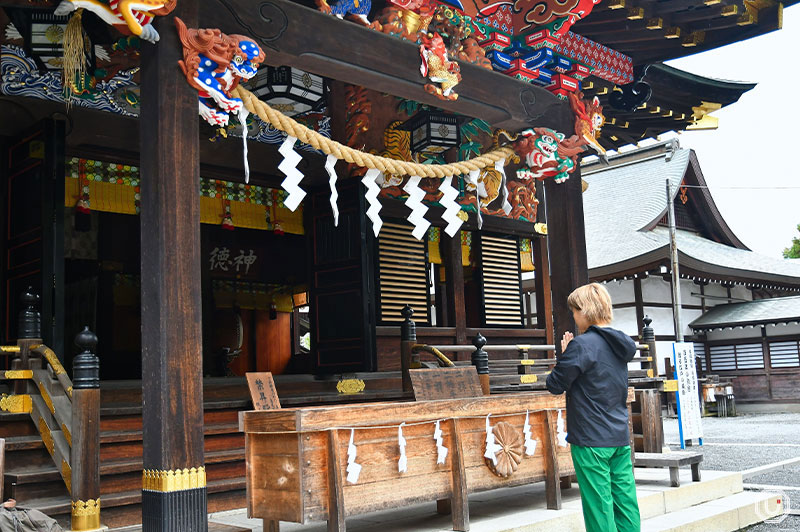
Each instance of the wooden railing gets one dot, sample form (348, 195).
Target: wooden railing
(66, 415)
(510, 371)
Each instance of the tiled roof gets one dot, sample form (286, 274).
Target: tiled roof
(629, 195)
(759, 311)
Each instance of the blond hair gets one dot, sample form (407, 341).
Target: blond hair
(593, 301)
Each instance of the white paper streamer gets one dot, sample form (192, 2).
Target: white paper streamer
(451, 208)
(353, 469)
(441, 450)
(402, 464)
(491, 447)
(472, 177)
(243, 114)
(293, 176)
(561, 434)
(330, 162)
(418, 209)
(372, 198)
(499, 166)
(530, 443)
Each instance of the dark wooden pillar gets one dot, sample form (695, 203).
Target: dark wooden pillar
(566, 246)
(173, 483)
(637, 297)
(544, 303)
(454, 275)
(85, 451)
(408, 337)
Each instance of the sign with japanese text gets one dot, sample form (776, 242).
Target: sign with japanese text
(688, 396)
(262, 391)
(222, 259)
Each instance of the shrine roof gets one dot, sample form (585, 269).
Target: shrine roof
(625, 203)
(651, 32)
(776, 310)
(679, 100)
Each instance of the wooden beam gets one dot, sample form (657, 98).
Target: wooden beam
(454, 275)
(550, 450)
(171, 304)
(292, 34)
(336, 511)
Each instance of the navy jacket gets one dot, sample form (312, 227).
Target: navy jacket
(594, 372)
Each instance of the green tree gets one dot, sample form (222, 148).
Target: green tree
(794, 251)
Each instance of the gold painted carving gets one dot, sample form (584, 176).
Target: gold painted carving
(9, 349)
(86, 514)
(47, 438)
(69, 392)
(177, 480)
(66, 474)
(540, 228)
(67, 434)
(19, 374)
(46, 397)
(17, 404)
(350, 386)
(52, 359)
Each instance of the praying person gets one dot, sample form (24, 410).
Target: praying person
(593, 371)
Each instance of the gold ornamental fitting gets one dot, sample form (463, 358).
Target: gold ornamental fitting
(86, 514)
(177, 480)
(16, 404)
(350, 386)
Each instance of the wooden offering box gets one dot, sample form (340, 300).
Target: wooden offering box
(297, 459)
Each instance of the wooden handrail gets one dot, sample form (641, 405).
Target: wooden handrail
(58, 370)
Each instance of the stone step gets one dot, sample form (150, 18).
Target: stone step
(727, 514)
(655, 500)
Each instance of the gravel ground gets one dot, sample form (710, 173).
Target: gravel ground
(747, 441)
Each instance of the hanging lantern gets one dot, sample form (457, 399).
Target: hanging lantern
(43, 33)
(290, 90)
(433, 131)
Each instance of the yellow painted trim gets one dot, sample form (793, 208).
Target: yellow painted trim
(177, 480)
(67, 434)
(528, 379)
(52, 359)
(656, 23)
(86, 514)
(46, 397)
(19, 374)
(9, 349)
(673, 33)
(650, 373)
(635, 13)
(730, 10)
(350, 386)
(66, 474)
(670, 386)
(47, 438)
(16, 404)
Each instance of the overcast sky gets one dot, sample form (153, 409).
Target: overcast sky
(758, 139)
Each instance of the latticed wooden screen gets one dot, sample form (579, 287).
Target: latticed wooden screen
(500, 270)
(403, 274)
(739, 356)
(784, 354)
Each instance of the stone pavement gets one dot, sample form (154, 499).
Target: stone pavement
(717, 504)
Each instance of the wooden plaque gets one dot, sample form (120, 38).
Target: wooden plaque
(445, 383)
(262, 391)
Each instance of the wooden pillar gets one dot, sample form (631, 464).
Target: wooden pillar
(566, 246)
(460, 499)
(637, 297)
(552, 485)
(454, 275)
(85, 450)
(408, 337)
(336, 511)
(29, 334)
(544, 302)
(173, 480)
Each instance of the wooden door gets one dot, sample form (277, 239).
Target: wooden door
(33, 236)
(341, 281)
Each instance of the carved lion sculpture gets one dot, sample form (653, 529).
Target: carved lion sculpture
(214, 63)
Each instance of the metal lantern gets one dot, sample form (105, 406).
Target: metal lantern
(290, 90)
(433, 131)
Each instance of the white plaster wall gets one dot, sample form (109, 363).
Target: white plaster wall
(735, 334)
(656, 290)
(662, 320)
(715, 289)
(687, 289)
(625, 321)
(741, 292)
(663, 350)
(620, 291)
(782, 330)
(689, 315)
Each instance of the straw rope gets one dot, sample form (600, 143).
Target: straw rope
(360, 158)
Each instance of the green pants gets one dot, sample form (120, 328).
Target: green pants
(608, 492)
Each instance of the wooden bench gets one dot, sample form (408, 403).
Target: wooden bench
(673, 461)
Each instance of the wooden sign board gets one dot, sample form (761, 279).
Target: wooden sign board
(262, 391)
(445, 383)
